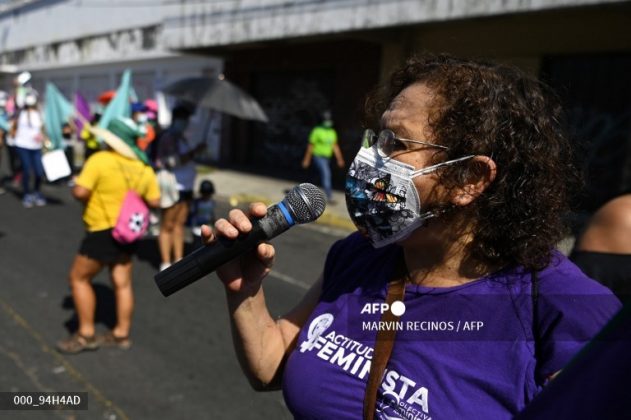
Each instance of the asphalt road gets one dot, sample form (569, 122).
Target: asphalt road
(181, 366)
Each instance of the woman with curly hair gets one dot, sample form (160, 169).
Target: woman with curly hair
(459, 199)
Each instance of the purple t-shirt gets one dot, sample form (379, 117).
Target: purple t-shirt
(460, 352)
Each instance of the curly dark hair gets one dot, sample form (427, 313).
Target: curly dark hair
(498, 111)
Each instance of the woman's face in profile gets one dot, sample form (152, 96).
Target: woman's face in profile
(408, 117)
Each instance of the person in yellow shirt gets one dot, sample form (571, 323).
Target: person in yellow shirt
(102, 185)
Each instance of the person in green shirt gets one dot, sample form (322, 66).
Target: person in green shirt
(322, 145)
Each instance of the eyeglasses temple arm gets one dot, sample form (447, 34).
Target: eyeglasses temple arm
(440, 165)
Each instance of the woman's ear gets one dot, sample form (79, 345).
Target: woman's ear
(481, 173)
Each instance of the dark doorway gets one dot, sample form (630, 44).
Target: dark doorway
(295, 84)
(596, 93)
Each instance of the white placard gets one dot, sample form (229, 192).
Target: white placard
(56, 165)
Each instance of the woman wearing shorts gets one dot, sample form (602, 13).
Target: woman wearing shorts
(102, 185)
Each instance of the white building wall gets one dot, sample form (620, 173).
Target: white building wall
(52, 21)
(148, 76)
(85, 45)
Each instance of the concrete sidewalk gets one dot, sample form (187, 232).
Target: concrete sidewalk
(239, 188)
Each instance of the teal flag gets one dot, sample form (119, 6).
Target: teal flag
(57, 112)
(4, 122)
(119, 106)
(132, 95)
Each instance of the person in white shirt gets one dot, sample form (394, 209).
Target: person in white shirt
(29, 139)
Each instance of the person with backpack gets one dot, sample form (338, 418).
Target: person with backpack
(109, 181)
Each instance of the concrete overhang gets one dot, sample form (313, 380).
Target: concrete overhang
(219, 25)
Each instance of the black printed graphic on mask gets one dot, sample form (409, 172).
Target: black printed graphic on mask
(377, 203)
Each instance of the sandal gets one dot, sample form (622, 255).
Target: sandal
(110, 340)
(77, 343)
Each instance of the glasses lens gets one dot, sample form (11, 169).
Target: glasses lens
(387, 142)
(369, 138)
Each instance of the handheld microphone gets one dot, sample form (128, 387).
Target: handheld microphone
(303, 204)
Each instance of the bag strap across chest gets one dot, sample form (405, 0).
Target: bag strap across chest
(385, 337)
(384, 342)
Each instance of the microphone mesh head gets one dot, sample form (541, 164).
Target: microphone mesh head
(306, 202)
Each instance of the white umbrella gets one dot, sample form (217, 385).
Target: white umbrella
(219, 95)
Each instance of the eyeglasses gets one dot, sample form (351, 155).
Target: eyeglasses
(388, 143)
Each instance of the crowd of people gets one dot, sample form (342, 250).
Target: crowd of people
(103, 185)
(119, 159)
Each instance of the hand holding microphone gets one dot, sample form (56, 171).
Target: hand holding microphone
(230, 252)
(248, 270)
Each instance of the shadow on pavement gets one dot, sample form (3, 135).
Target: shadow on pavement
(105, 308)
(17, 193)
(149, 251)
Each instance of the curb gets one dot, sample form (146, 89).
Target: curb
(327, 219)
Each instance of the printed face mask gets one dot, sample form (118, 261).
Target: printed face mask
(381, 197)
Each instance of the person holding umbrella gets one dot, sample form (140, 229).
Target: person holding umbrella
(175, 154)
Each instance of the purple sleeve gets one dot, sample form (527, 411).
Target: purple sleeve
(572, 309)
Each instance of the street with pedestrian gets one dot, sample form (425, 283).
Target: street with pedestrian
(181, 364)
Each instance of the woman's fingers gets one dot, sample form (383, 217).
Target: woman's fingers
(207, 234)
(236, 223)
(225, 228)
(266, 254)
(258, 209)
(239, 220)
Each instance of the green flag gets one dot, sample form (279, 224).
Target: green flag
(57, 112)
(119, 106)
